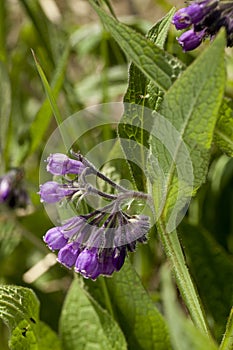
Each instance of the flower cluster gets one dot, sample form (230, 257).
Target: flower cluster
(95, 243)
(12, 192)
(205, 18)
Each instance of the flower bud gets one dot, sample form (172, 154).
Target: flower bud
(190, 40)
(60, 164)
(52, 192)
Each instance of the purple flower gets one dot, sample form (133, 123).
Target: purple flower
(68, 254)
(55, 239)
(206, 18)
(52, 192)
(97, 250)
(5, 188)
(190, 40)
(87, 263)
(60, 164)
(96, 243)
(186, 16)
(12, 191)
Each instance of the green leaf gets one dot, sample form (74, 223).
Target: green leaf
(223, 135)
(19, 309)
(43, 117)
(227, 341)
(42, 26)
(9, 237)
(85, 325)
(211, 266)
(143, 326)
(150, 59)
(5, 107)
(135, 123)
(185, 128)
(183, 333)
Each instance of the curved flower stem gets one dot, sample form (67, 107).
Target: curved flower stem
(184, 281)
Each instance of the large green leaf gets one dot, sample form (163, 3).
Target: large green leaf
(143, 325)
(182, 134)
(136, 122)
(212, 269)
(85, 325)
(19, 309)
(223, 135)
(183, 333)
(155, 63)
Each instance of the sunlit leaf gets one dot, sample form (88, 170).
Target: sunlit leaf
(141, 322)
(84, 324)
(185, 128)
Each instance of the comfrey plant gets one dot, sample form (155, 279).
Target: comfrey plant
(95, 243)
(205, 19)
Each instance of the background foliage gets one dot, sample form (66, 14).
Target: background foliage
(85, 54)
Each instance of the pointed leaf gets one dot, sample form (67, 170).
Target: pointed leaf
(185, 128)
(43, 116)
(85, 325)
(152, 61)
(135, 123)
(143, 325)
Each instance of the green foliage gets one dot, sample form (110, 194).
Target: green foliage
(193, 115)
(176, 133)
(211, 267)
(227, 342)
(19, 309)
(5, 108)
(224, 128)
(183, 334)
(141, 322)
(155, 63)
(85, 325)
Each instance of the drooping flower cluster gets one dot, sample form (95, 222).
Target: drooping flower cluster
(95, 243)
(12, 191)
(205, 18)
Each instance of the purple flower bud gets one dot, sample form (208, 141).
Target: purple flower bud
(5, 188)
(60, 164)
(52, 192)
(186, 16)
(193, 14)
(87, 263)
(190, 40)
(68, 254)
(55, 239)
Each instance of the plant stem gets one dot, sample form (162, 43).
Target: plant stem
(185, 284)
